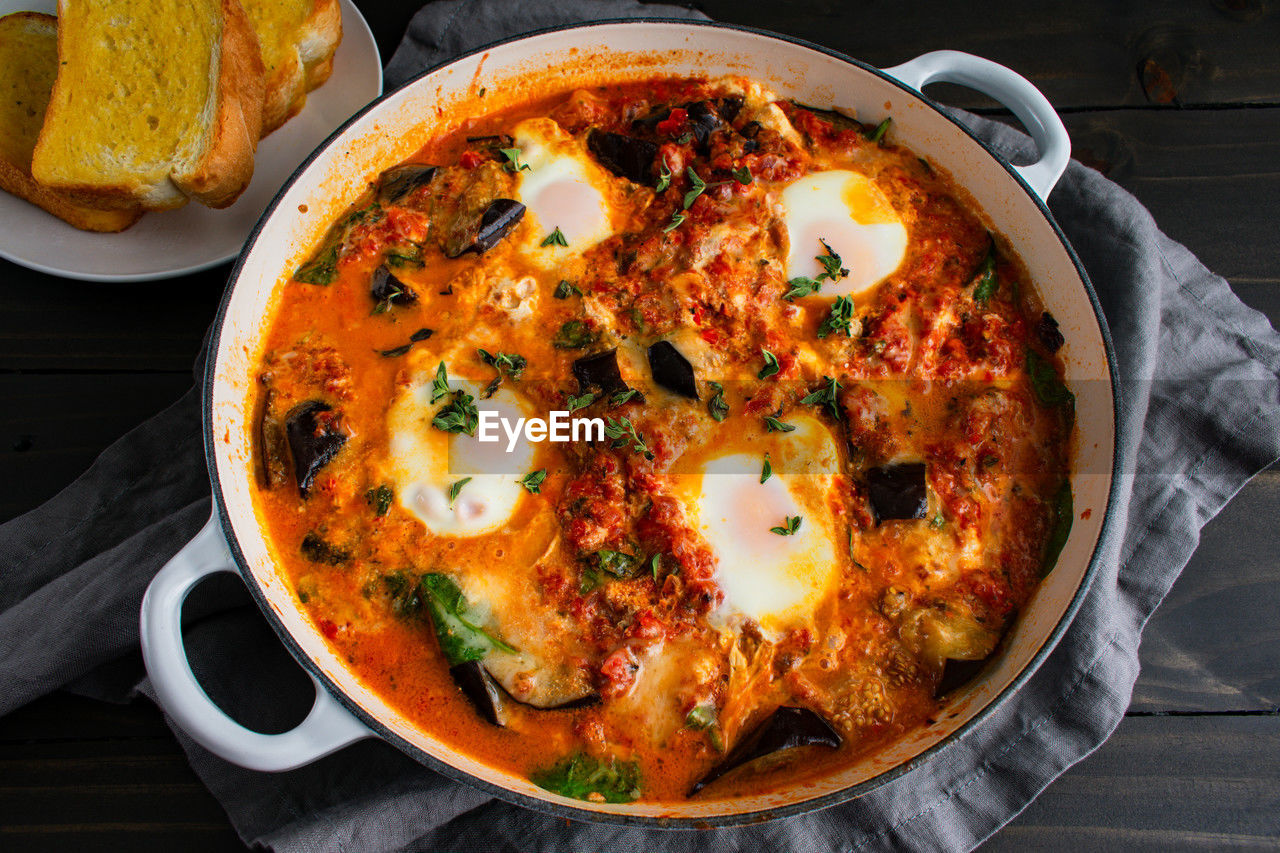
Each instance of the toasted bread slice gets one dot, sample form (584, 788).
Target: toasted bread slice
(298, 39)
(156, 101)
(28, 66)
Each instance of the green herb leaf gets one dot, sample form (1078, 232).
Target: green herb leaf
(405, 600)
(513, 163)
(315, 549)
(1063, 517)
(590, 579)
(455, 488)
(654, 563)
(460, 415)
(395, 351)
(620, 564)
(802, 286)
(623, 432)
(461, 639)
(379, 500)
(839, 319)
(831, 271)
(440, 385)
(581, 402)
(789, 526)
(532, 481)
(937, 522)
(685, 138)
(831, 263)
(421, 335)
(772, 424)
(742, 175)
(986, 280)
(825, 396)
(766, 470)
(583, 777)
(1046, 384)
(555, 238)
(677, 219)
(697, 187)
(882, 128)
(410, 257)
(574, 334)
(565, 289)
(322, 269)
(703, 717)
(770, 365)
(506, 363)
(717, 407)
(664, 178)
(621, 397)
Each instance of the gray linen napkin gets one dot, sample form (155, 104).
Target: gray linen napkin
(1201, 414)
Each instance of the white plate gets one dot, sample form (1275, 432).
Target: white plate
(194, 237)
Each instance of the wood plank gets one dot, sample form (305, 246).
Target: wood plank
(136, 793)
(1162, 784)
(63, 716)
(50, 323)
(1211, 179)
(1214, 643)
(53, 426)
(1081, 54)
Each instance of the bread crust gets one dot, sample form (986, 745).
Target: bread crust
(227, 166)
(315, 42)
(15, 177)
(16, 181)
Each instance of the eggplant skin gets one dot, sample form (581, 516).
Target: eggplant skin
(398, 181)
(672, 370)
(786, 728)
(315, 437)
(898, 491)
(491, 699)
(385, 287)
(625, 156)
(498, 220)
(599, 370)
(485, 694)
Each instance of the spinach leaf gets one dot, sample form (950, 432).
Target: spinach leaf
(574, 334)
(405, 600)
(1046, 384)
(322, 269)
(461, 639)
(584, 777)
(987, 282)
(1062, 518)
(315, 549)
(379, 499)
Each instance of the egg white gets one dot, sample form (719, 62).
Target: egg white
(776, 580)
(848, 212)
(423, 462)
(562, 188)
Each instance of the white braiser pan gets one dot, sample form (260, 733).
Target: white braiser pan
(393, 128)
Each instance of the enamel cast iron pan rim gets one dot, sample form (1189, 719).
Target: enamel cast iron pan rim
(555, 808)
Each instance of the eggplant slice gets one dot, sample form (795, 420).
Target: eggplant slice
(396, 183)
(485, 694)
(386, 288)
(625, 156)
(898, 491)
(315, 437)
(786, 728)
(958, 673)
(599, 371)
(672, 370)
(491, 699)
(497, 221)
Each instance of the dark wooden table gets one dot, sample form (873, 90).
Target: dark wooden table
(1178, 102)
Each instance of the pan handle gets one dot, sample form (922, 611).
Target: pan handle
(1013, 91)
(327, 728)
